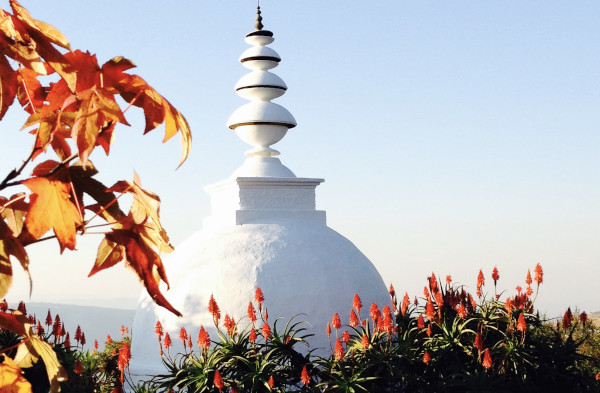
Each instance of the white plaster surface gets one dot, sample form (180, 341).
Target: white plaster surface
(302, 267)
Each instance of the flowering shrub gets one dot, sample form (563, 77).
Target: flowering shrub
(446, 341)
(84, 372)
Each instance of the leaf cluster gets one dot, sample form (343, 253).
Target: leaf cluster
(71, 103)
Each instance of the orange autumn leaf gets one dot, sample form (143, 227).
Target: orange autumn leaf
(52, 208)
(11, 378)
(141, 257)
(157, 110)
(8, 85)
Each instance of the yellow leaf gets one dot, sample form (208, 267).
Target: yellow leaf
(50, 32)
(24, 357)
(11, 378)
(51, 208)
(56, 372)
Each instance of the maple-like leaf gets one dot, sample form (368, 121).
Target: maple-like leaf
(51, 33)
(11, 377)
(16, 44)
(44, 36)
(30, 92)
(157, 110)
(10, 246)
(141, 257)
(106, 204)
(51, 207)
(145, 205)
(8, 85)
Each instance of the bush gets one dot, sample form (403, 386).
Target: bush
(448, 341)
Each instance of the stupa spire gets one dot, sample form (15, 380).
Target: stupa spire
(261, 123)
(259, 25)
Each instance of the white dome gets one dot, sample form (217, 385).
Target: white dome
(302, 267)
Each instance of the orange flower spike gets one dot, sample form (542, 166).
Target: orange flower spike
(328, 329)
(539, 274)
(346, 336)
(521, 324)
(433, 283)
(448, 279)
(356, 303)
(420, 322)
(480, 282)
(365, 341)
(48, 318)
(392, 291)
(96, 345)
(266, 331)
(495, 275)
(519, 289)
(428, 330)
(461, 311)
(405, 303)
(353, 319)
(251, 312)
(439, 299)
(339, 350)
(426, 357)
(387, 313)
(218, 381)
(478, 342)
(167, 342)
(336, 323)
(487, 359)
(271, 381)
(213, 308)
(304, 377)
(82, 338)
(108, 339)
(158, 329)
(259, 297)
(528, 280)
(429, 310)
(529, 291)
(183, 335)
(252, 335)
(78, 334)
(227, 323)
(374, 312)
(203, 338)
(583, 317)
(426, 292)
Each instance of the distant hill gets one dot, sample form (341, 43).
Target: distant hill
(95, 322)
(595, 317)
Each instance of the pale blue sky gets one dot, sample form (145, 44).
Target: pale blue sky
(452, 136)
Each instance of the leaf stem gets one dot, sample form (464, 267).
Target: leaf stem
(16, 172)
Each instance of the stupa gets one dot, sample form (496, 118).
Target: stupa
(264, 231)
